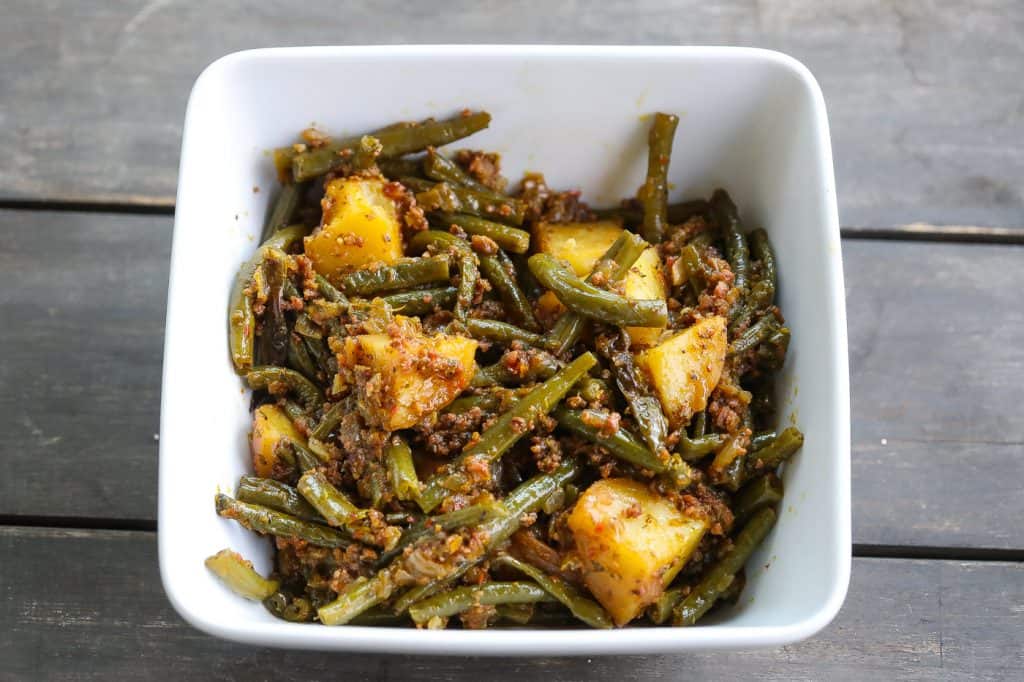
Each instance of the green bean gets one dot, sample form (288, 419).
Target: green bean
(661, 609)
(299, 358)
(366, 153)
(403, 275)
(332, 417)
(275, 495)
(306, 327)
(771, 354)
(460, 599)
(272, 333)
(653, 194)
(763, 491)
(622, 444)
(325, 360)
(754, 335)
(721, 575)
(241, 320)
(541, 367)
(328, 291)
(589, 301)
(501, 273)
(393, 169)
(504, 433)
(401, 471)
(305, 459)
(689, 256)
(502, 332)
(763, 291)
(699, 447)
(646, 408)
(781, 448)
(633, 215)
(359, 596)
(584, 608)
(307, 392)
(520, 614)
(283, 211)
(760, 439)
(378, 617)
(394, 142)
(611, 268)
(442, 169)
(736, 250)
(448, 198)
(700, 424)
(239, 575)
(289, 608)
(466, 259)
(297, 414)
(429, 526)
(511, 239)
(421, 301)
(340, 512)
(270, 522)
(527, 497)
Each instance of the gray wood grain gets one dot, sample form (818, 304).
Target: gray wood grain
(926, 110)
(109, 619)
(935, 367)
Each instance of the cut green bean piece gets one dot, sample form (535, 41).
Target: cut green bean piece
(288, 607)
(270, 522)
(359, 596)
(763, 491)
(462, 598)
(661, 610)
(442, 169)
(401, 470)
(588, 300)
(394, 141)
(447, 198)
(699, 447)
(782, 448)
(299, 358)
(303, 388)
(506, 431)
(404, 275)
(760, 439)
(736, 250)
(272, 333)
(281, 497)
(622, 444)
(241, 319)
(283, 212)
(502, 332)
(511, 239)
(239, 575)
(540, 367)
(763, 291)
(754, 335)
(332, 417)
(611, 267)
(421, 301)
(393, 169)
(584, 608)
(429, 526)
(717, 580)
(340, 512)
(653, 194)
(328, 291)
(646, 407)
(501, 273)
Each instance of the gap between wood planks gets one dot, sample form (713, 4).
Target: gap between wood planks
(858, 550)
(909, 232)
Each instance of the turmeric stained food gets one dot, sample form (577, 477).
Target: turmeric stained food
(479, 408)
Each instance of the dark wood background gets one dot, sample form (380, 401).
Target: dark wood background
(927, 113)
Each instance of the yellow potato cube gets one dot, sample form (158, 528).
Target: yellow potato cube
(582, 245)
(632, 543)
(685, 368)
(270, 424)
(360, 226)
(402, 378)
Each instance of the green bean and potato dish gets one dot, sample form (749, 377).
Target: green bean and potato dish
(475, 406)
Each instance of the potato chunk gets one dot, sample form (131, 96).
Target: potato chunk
(270, 424)
(632, 543)
(582, 245)
(685, 368)
(360, 226)
(400, 378)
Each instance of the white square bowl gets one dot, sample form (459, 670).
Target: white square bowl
(752, 121)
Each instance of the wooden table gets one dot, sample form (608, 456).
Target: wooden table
(927, 113)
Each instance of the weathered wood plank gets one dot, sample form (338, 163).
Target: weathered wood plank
(94, 94)
(108, 619)
(934, 332)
